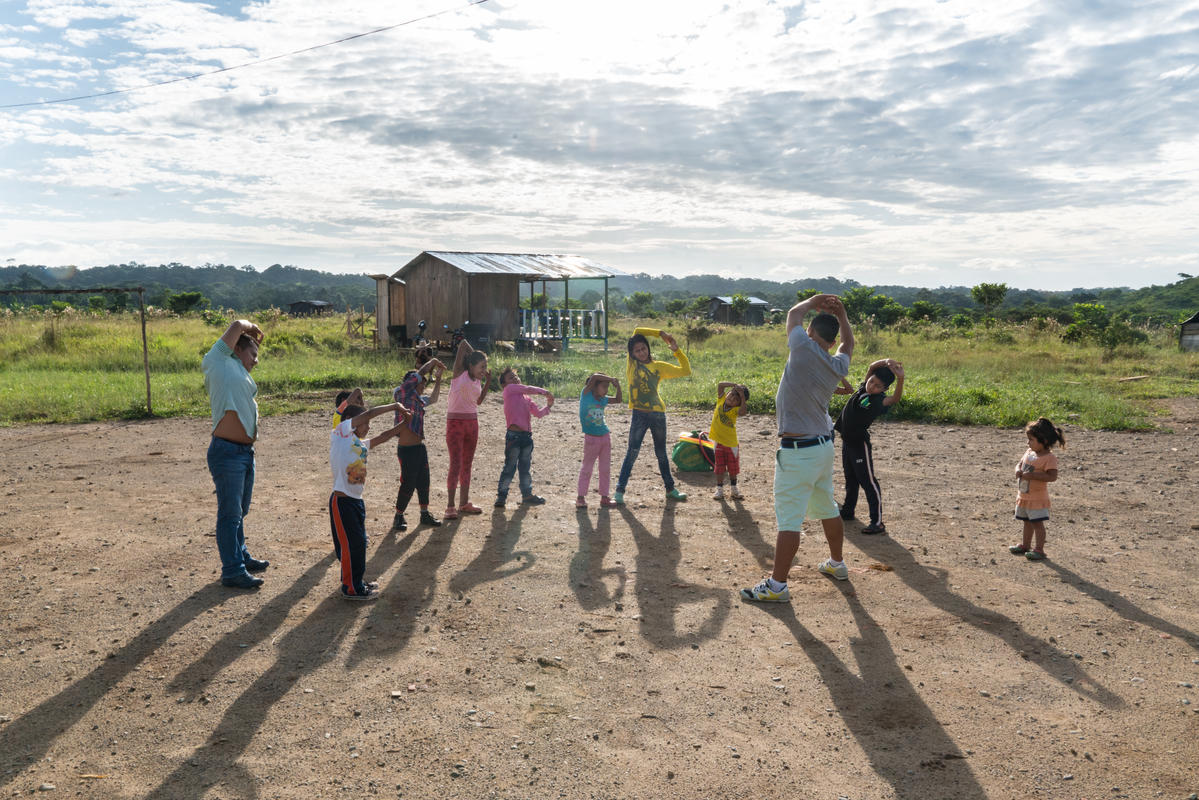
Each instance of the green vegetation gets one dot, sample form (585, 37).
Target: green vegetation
(71, 366)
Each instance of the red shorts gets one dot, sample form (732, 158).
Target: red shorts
(727, 461)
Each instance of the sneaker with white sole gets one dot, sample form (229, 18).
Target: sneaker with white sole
(762, 593)
(719, 493)
(841, 573)
(735, 493)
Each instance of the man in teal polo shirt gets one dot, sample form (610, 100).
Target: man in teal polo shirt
(231, 393)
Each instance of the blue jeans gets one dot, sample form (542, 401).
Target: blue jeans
(232, 468)
(655, 423)
(518, 453)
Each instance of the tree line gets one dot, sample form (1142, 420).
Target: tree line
(182, 288)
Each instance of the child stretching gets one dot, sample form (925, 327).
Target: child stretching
(467, 390)
(732, 402)
(414, 458)
(597, 440)
(1036, 470)
(642, 376)
(865, 405)
(519, 410)
(346, 398)
(347, 514)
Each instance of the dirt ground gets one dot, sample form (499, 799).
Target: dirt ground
(540, 652)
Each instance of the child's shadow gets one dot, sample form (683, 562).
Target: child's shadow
(498, 549)
(748, 533)
(662, 595)
(1121, 605)
(933, 584)
(587, 573)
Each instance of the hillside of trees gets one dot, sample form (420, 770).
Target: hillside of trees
(247, 289)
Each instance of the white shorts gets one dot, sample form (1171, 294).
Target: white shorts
(803, 485)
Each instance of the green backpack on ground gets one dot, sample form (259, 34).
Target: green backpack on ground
(693, 453)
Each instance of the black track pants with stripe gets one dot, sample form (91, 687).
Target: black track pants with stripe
(857, 460)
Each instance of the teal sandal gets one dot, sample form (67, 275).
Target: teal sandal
(1018, 550)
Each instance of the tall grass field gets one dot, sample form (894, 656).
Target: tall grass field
(72, 367)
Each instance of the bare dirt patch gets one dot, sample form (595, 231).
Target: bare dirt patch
(544, 652)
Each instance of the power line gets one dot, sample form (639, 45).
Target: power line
(246, 64)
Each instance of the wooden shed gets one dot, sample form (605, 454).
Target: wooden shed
(720, 309)
(307, 308)
(446, 288)
(1188, 334)
(390, 321)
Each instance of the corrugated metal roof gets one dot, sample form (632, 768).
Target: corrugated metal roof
(527, 265)
(753, 301)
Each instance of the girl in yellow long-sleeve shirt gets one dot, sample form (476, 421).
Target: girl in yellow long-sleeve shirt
(642, 376)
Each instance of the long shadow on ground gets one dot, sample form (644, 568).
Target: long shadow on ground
(933, 584)
(26, 739)
(499, 548)
(1121, 605)
(892, 724)
(304, 649)
(661, 593)
(587, 573)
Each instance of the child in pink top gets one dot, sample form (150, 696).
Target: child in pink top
(467, 390)
(1036, 470)
(519, 410)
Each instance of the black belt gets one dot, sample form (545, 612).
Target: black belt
(797, 443)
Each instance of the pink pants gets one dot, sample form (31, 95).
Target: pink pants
(461, 437)
(596, 448)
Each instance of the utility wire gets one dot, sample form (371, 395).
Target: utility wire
(246, 64)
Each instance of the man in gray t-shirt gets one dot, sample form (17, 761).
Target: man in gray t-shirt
(803, 465)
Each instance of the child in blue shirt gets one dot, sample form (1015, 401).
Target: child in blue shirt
(597, 440)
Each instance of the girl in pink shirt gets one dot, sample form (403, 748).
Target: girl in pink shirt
(519, 410)
(467, 390)
(1036, 470)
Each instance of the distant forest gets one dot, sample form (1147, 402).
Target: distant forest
(246, 289)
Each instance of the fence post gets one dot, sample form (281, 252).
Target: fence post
(145, 352)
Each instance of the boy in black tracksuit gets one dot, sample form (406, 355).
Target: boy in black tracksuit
(869, 402)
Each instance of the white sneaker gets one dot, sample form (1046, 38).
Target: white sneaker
(719, 493)
(841, 573)
(735, 493)
(762, 593)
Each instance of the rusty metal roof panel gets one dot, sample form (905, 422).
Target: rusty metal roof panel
(527, 265)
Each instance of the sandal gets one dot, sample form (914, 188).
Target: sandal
(1035, 555)
(1017, 549)
(450, 513)
(469, 508)
(580, 503)
(608, 502)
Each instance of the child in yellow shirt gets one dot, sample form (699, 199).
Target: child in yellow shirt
(732, 403)
(642, 377)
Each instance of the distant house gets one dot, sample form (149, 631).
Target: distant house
(1188, 335)
(305, 308)
(720, 309)
(445, 288)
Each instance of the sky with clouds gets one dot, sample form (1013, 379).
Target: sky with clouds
(1045, 145)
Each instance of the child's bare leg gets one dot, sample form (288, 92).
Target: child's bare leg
(1038, 529)
(1029, 527)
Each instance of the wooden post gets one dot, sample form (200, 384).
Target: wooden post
(145, 351)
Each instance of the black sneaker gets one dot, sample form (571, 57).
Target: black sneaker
(533, 500)
(368, 593)
(256, 564)
(242, 581)
(398, 523)
(500, 502)
(428, 519)
(874, 529)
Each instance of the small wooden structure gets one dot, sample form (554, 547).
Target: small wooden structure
(448, 289)
(1188, 334)
(390, 319)
(720, 309)
(306, 308)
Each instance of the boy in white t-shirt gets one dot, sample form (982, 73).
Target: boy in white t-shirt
(347, 512)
